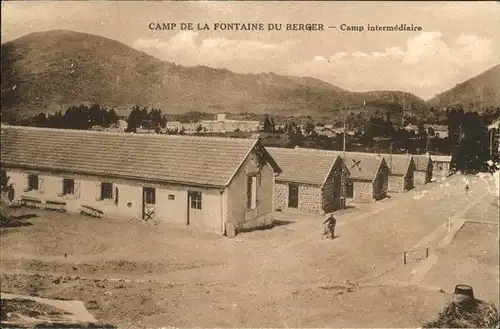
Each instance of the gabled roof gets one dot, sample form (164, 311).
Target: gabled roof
(398, 163)
(304, 166)
(361, 166)
(421, 161)
(206, 161)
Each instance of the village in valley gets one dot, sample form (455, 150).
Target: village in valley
(320, 208)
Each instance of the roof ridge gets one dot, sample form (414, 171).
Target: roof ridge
(305, 149)
(122, 133)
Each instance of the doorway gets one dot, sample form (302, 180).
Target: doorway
(148, 203)
(293, 196)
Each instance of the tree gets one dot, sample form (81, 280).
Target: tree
(112, 116)
(273, 126)
(268, 126)
(134, 119)
(309, 128)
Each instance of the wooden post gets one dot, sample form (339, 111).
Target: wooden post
(404, 257)
(426, 252)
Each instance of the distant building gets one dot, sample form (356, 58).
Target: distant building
(439, 131)
(221, 124)
(324, 131)
(205, 182)
(494, 134)
(299, 188)
(424, 167)
(441, 164)
(411, 127)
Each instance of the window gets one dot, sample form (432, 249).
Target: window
(106, 191)
(32, 182)
(349, 190)
(195, 198)
(171, 197)
(68, 186)
(252, 192)
(149, 195)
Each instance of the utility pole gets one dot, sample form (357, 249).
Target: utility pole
(343, 188)
(491, 133)
(390, 157)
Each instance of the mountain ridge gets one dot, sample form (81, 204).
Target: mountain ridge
(51, 70)
(480, 91)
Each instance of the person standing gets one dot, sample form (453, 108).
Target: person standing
(330, 224)
(466, 185)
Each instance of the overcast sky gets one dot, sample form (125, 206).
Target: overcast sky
(458, 39)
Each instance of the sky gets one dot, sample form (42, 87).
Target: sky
(458, 40)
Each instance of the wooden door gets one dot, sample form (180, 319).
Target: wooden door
(148, 203)
(293, 196)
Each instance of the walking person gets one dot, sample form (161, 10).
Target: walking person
(466, 185)
(330, 224)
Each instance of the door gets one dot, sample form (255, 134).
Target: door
(148, 203)
(194, 205)
(293, 196)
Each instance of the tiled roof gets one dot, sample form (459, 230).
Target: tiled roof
(207, 161)
(302, 166)
(362, 166)
(421, 162)
(399, 163)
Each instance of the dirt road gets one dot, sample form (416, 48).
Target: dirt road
(286, 276)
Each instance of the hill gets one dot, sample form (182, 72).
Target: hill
(484, 88)
(49, 71)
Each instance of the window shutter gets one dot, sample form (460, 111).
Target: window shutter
(61, 185)
(99, 191)
(77, 188)
(40, 184)
(115, 194)
(26, 182)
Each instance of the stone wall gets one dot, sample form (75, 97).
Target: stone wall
(363, 191)
(420, 177)
(400, 184)
(310, 198)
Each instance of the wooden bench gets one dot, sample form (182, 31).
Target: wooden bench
(55, 205)
(90, 211)
(31, 202)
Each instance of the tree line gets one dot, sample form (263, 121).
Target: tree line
(75, 117)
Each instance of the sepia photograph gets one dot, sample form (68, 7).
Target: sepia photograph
(250, 164)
